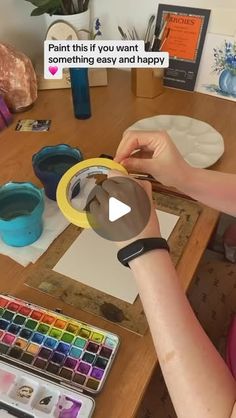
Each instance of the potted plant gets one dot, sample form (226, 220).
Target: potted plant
(75, 12)
(225, 67)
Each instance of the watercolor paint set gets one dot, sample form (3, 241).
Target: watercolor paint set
(55, 352)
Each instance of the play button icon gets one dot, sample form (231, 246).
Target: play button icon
(117, 209)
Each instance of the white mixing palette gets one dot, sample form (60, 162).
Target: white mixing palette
(25, 395)
(199, 143)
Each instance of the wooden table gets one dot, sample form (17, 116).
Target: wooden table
(114, 109)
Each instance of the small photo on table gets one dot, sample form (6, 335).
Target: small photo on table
(32, 125)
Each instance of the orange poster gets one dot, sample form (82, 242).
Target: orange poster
(181, 31)
(182, 35)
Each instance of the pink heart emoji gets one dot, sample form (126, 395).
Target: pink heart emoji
(53, 70)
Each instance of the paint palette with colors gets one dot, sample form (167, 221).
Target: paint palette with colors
(55, 346)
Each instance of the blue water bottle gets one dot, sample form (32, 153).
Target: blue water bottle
(80, 92)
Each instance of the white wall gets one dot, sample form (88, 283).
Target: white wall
(19, 28)
(27, 33)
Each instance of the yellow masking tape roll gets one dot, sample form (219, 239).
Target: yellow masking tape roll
(72, 177)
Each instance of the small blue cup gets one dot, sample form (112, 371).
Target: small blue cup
(50, 163)
(21, 210)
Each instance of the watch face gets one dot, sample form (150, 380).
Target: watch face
(136, 250)
(139, 247)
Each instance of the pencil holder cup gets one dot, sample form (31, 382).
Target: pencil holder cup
(147, 82)
(21, 210)
(51, 163)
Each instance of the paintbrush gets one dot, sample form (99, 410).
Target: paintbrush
(148, 32)
(131, 35)
(154, 44)
(123, 34)
(86, 4)
(80, 6)
(165, 39)
(164, 26)
(158, 187)
(157, 40)
(135, 33)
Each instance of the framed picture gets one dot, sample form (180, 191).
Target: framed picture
(183, 31)
(217, 72)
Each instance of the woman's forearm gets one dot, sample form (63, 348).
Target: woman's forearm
(214, 189)
(197, 378)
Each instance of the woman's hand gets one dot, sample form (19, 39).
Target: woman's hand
(142, 217)
(159, 157)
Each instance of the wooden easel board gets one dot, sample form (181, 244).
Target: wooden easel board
(129, 316)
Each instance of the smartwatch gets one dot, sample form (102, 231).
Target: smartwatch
(140, 247)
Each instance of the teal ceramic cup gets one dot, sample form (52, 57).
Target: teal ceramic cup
(51, 162)
(21, 210)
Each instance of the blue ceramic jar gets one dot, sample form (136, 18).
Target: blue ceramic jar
(21, 210)
(227, 82)
(51, 162)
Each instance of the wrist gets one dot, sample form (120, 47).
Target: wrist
(150, 233)
(140, 247)
(145, 260)
(183, 181)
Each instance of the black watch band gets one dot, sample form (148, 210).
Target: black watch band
(140, 247)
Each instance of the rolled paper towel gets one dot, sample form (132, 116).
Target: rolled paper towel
(18, 84)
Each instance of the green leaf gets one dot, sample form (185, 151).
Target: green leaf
(52, 6)
(54, 12)
(39, 11)
(47, 6)
(39, 3)
(55, 4)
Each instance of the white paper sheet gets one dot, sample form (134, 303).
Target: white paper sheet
(92, 261)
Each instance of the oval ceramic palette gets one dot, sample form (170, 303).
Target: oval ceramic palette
(198, 142)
